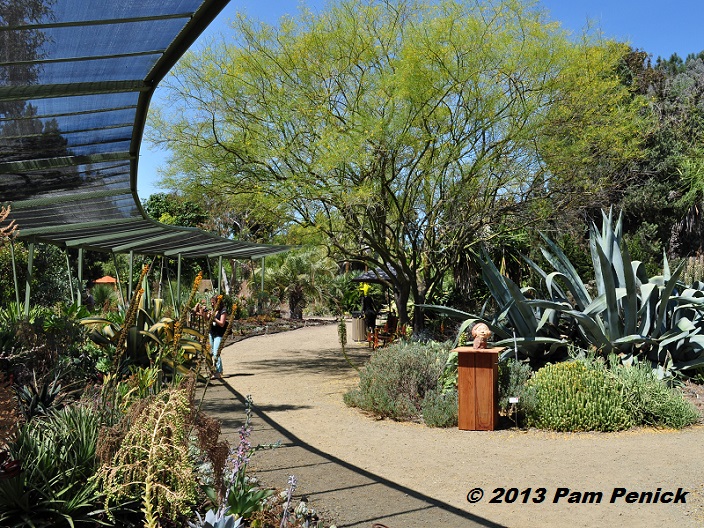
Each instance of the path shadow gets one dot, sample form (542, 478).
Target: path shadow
(391, 502)
(326, 361)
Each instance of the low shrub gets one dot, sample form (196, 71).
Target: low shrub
(574, 396)
(440, 408)
(513, 376)
(650, 401)
(397, 378)
(589, 394)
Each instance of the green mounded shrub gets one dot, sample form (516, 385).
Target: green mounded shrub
(574, 396)
(650, 401)
(440, 408)
(513, 376)
(397, 378)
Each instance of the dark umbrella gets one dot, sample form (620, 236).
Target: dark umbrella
(378, 276)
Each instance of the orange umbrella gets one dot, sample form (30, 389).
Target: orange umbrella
(106, 280)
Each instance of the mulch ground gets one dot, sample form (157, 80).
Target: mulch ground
(695, 394)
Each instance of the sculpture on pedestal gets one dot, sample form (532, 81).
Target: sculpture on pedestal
(481, 335)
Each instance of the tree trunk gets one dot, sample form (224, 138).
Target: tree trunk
(402, 296)
(295, 305)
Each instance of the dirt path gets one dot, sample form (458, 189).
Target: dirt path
(359, 470)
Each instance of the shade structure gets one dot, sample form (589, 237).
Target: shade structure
(76, 79)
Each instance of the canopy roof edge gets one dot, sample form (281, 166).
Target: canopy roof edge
(76, 82)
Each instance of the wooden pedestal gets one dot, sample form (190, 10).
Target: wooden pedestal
(478, 388)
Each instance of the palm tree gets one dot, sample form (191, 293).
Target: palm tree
(302, 276)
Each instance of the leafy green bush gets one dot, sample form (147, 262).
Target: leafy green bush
(397, 378)
(572, 396)
(440, 408)
(650, 401)
(513, 376)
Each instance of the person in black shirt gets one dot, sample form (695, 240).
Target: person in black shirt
(216, 331)
(369, 311)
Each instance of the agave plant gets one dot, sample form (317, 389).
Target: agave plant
(537, 332)
(655, 318)
(216, 519)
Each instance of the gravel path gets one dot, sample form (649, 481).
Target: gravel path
(358, 471)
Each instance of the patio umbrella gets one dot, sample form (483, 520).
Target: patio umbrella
(378, 276)
(106, 280)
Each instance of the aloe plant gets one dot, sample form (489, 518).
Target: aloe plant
(148, 334)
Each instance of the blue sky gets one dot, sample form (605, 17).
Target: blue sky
(650, 25)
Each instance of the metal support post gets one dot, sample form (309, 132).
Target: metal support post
(177, 304)
(14, 273)
(79, 295)
(220, 275)
(28, 282)
(70, 278)
(129, 279)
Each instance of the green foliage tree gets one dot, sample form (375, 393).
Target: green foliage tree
(174, 210)
(406, 133)
(661, 204)
(48, 287)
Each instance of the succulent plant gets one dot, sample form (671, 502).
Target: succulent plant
(216, 519)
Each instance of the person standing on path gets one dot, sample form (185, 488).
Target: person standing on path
(218, 315)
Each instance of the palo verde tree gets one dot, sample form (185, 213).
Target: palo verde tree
(405, 132)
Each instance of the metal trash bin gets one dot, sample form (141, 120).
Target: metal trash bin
(358, 332)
